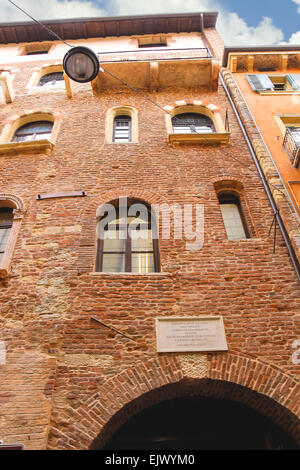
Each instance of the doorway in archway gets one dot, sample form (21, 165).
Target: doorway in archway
(203, 423)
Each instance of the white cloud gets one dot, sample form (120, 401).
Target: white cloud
(137, 7)
(297, 3)
(294, 39)
(49, 9)
(234, 29)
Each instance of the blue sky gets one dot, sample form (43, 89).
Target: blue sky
(283, 13)
(259, 22)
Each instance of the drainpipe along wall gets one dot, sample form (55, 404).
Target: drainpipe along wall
(277, 215)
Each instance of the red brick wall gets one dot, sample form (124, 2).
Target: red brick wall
(47, 302)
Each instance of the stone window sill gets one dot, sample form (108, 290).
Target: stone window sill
(122, 143)
(207, 138)
(29, 146)
(110, 274)
(279, 92)
(59, 87)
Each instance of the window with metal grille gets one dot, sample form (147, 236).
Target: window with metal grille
(233, 217)
(122, 129)
(119, 250)
(37, 130)
(51, 78)
(192, 123)
(6, 221)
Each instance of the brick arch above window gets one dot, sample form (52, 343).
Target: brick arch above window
(91, 214)
(236, 376)
(114, 112)
(17, 121)
(199, 107)
(40, 72)
(129, 255)
(148, 197)
(13, 202)
(229, 186)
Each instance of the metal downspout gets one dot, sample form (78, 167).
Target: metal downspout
(277, 216)
(286, 238)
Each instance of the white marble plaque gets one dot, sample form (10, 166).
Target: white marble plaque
(186, 334)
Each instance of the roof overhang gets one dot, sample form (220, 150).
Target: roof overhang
(85, 28)
(257, 49)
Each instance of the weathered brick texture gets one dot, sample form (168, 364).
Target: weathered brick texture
(67, 376)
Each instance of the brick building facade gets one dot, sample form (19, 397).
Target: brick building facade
(67, 381)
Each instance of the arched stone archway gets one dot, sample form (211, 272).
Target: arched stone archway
(233, 375)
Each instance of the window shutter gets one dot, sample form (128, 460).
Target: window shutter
(260, 82)
(294, 80)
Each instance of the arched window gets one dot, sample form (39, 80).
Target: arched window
(11, 215)
(51, 78)
(36, 130)
(6, 221)
(233, 217)
(126, 243)
(192, 123)
(122, 129)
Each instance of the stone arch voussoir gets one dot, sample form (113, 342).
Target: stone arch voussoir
(233, 375)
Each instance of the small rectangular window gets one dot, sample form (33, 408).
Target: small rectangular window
(122, 129)
(152, 41)
(37, 52)
(35, 49)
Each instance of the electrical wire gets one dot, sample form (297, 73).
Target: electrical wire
(192, 128)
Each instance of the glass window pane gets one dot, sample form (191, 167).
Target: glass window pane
(51, 78)
(122, 131)
(143, 242)
(47, 135)
(113, 241)
(142, 262)
(22, 138)
(4, 234)
(33, 131)
(182, 130)
(113, 262)
(191, 123)
(295, 132)
(233, 222)
(6, 215)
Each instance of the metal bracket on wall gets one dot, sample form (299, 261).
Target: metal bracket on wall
(113, 329)
(274, 222)
(56, 195)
